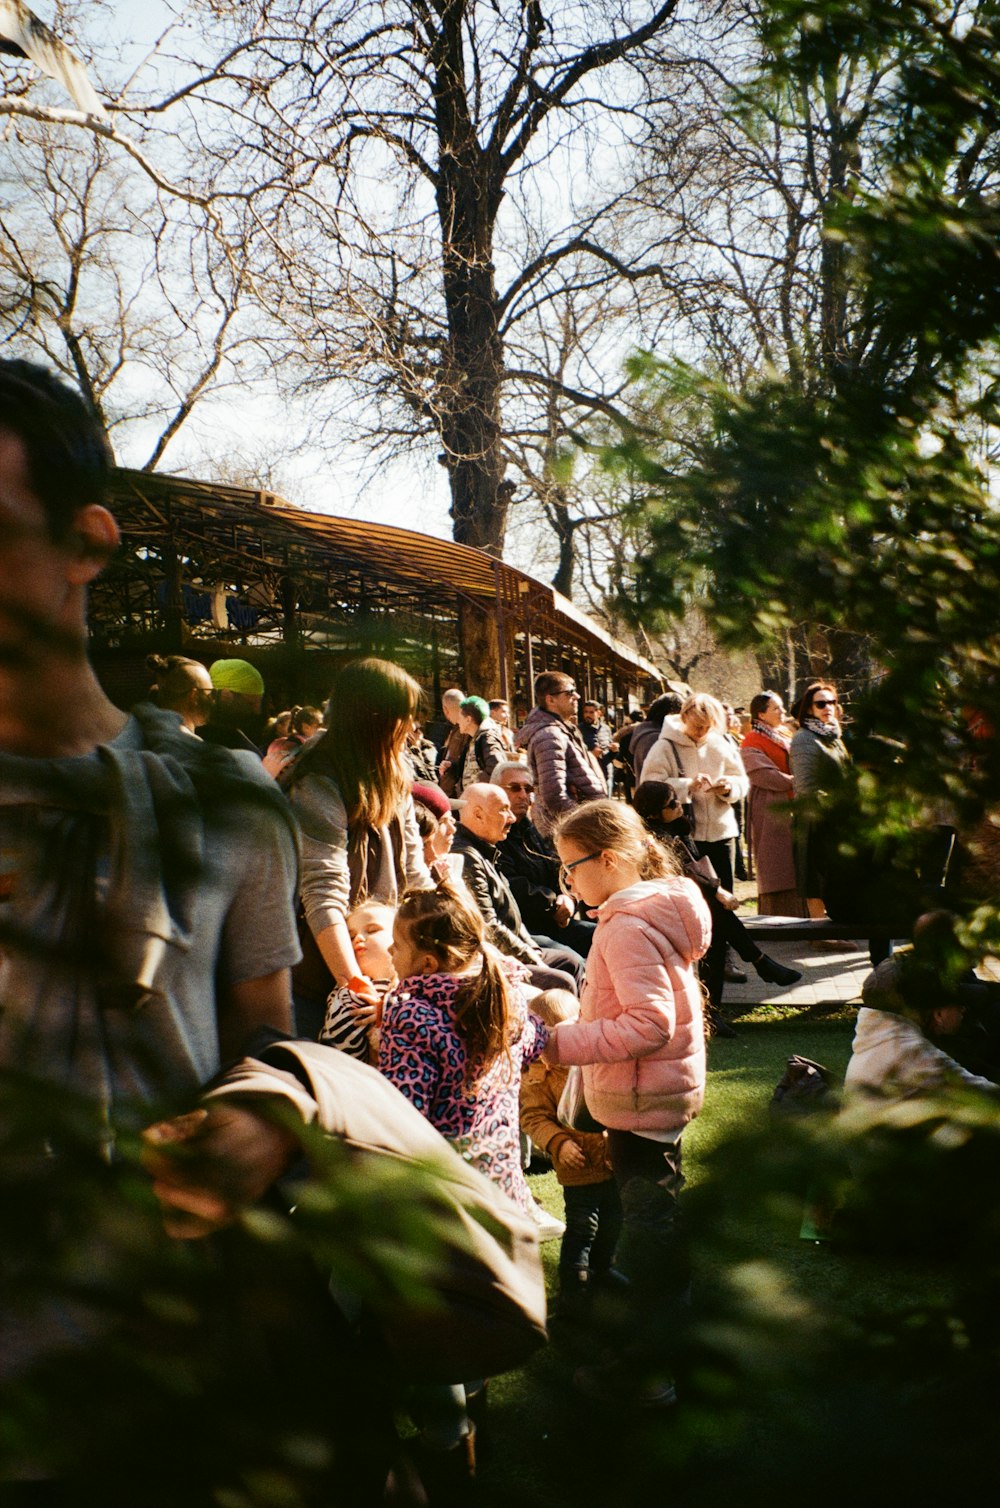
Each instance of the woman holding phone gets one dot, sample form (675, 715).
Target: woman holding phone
(704, 767)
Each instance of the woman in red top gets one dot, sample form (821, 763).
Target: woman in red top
(765, 757)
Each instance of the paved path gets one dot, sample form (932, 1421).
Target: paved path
(831, 972)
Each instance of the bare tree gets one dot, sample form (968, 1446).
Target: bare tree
(134, 303)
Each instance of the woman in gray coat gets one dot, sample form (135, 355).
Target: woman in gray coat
(818, 759)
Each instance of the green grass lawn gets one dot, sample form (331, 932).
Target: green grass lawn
(756, 1401)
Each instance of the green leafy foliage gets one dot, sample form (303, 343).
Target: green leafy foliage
(863, 500)
(143, 1369)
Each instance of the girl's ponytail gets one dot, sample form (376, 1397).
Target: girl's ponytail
(657, 862)
(482, 1015)
(445, 923)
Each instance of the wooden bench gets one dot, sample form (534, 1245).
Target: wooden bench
(767, 930)
(804, 929)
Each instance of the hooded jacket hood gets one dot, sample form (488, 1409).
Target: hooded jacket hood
(675, 732)
(674, 906)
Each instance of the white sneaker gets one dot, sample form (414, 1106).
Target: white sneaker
(549, 1227)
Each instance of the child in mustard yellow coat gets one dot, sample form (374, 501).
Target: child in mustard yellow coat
(580, 1159)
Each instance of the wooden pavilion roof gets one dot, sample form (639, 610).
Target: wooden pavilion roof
(256, 549)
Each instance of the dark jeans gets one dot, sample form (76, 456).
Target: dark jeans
(721, 855)
(652, 1251)
(593, 1225)
(564, 959)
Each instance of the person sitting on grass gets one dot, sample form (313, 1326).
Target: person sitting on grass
(921, 1140)
(913, 1002)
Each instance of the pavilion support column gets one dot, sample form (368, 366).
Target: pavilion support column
(289, 613)
(502, 636)
(173, 607)
(435, 666)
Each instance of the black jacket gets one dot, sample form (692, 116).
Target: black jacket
(529, 864)
(493, 897)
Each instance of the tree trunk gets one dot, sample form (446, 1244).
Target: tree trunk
(468, 200)
(565, 532)
(480, 643)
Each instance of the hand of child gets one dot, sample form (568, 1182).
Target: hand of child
(569, 1155)
(365, 1002)
(723, 788)
(209, 1165)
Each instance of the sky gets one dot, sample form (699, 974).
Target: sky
(247, 428)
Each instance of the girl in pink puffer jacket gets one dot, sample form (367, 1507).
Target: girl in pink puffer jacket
(640, 1038)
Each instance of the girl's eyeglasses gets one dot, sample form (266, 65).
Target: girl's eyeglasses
(566, 870)
(825, 703)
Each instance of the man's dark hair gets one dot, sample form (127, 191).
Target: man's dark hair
(69, 458)
(667, 705)
(550, 683)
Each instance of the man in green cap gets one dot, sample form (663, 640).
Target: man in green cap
(235, 721)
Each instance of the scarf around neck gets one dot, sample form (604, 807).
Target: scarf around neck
(828, 733)
(772, 733)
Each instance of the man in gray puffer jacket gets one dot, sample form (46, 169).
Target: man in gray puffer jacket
(565, 773)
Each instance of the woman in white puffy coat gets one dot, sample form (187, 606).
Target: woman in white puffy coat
(693, 755)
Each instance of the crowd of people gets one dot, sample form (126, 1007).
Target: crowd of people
(522, 929)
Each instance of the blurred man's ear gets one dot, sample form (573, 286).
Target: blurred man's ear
(94, 539)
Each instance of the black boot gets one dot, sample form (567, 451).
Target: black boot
(573, 1303)
(716, 1023)
(774, 972)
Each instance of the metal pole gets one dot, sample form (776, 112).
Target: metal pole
(501, 632)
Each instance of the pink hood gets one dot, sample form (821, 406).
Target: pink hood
(680, 912)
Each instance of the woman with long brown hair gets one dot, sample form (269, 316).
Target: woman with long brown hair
(350, 788)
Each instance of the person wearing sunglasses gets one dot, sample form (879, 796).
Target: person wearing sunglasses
(818, 758)
(565, 772)
(530, 865)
